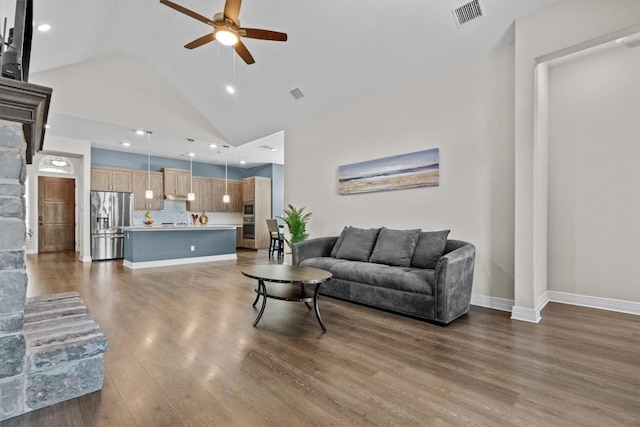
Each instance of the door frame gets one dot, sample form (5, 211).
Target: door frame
(36, 186)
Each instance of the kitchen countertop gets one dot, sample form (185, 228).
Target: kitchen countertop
(180, 227)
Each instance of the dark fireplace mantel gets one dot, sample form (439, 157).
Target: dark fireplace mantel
(28, 104)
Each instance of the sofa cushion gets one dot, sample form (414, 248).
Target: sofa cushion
(325, 263)
(395, 247)
(417, 280)
(429, 249)
(336, 247)
(358, 244)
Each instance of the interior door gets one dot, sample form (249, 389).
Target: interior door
(56, 214)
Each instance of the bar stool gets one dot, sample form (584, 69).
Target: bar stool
(276, 241)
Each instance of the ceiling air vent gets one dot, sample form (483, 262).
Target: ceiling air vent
(468, 13)
(297, 94)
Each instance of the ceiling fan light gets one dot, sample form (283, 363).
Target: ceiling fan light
(226, 198)
(191, 197)
(148, 194)
(226, 37)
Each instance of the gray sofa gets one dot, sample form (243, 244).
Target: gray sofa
(414, 273)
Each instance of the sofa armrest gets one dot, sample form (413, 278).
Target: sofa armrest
(312, 248)
(454, 278)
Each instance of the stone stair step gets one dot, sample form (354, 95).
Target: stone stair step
(47, 324)
(70, 350)
(45, 336)
(53, 297)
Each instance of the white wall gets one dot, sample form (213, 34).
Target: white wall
(594, 192)
(468, 112)
(564, 26)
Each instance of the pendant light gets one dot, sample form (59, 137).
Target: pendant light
(225, 198)
(149, 193)
(191, 195)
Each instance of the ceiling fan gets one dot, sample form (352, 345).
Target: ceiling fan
(227, 29)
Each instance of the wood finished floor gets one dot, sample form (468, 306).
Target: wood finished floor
(183, 352)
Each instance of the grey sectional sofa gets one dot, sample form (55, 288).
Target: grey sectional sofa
(415, 273)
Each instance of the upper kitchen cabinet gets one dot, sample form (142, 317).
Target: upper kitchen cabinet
(248, 189)
(141, 182)
(176, 182)
(203, 189)
(111, 179)
(235, 194)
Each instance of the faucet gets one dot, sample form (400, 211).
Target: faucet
(179, 216)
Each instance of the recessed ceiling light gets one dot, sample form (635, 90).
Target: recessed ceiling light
(273, 149)
(140, 132)
(191, 154)
(242, 162)
(47, 126)
(213, 146)
(43, 27)
(125, 143)
(230, 89)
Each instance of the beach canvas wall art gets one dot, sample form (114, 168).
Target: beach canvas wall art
(411, 170)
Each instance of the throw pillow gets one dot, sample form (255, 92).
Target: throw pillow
(358, 244)
(429, 249)
(395, 247)
(336, 247)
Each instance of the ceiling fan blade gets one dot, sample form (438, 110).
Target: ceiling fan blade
(187, 12)
(232, 10)
(242, 50)
(200, 41)
(255, 33)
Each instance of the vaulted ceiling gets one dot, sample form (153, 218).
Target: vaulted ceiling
(121, 64)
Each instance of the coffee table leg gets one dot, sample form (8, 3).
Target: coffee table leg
(302, 293)
(257, 295)
(315, 305)
(262, 289)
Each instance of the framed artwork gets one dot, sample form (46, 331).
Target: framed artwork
(411, 170)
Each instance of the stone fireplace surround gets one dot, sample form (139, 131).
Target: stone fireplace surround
(51, 350)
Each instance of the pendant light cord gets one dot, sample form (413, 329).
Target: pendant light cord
(148, 160)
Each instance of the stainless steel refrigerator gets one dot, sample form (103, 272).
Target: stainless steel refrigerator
(110, 211)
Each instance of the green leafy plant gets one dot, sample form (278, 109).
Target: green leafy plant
(296, 220)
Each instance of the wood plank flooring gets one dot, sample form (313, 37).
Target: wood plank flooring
(183, 353)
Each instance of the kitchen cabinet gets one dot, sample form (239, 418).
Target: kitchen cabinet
(218, 193)
(248, 189)
(176, 182)
(259, 194)
(141, 182)
(239, 237)
(209, 193)
(234, 190)
(235, 193)
(111, 179)
(196, 204)
(203, 189)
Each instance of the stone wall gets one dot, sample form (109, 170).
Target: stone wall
(13, 276)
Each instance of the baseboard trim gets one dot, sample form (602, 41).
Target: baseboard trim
(31, 251)
(502, 304)
(178, 261)
(525, 314)
(620, 306)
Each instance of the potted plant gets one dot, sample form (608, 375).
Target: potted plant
(296, 220)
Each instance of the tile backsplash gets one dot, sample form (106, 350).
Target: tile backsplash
(172, 209)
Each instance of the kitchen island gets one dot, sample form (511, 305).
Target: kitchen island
(165, 245)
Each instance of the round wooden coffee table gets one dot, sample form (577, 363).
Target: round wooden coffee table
(306, 281)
